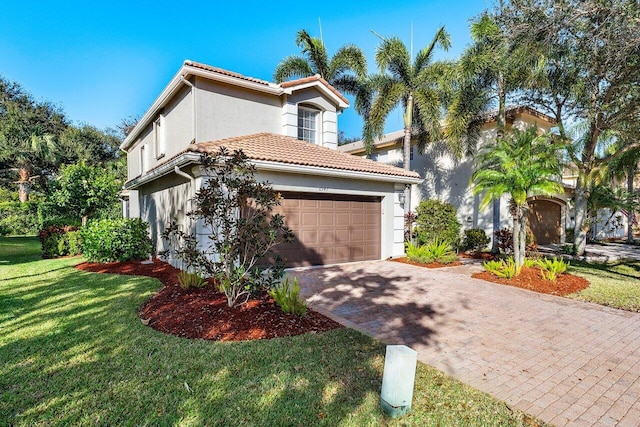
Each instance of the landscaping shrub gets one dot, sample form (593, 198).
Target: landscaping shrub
(502, 268)
(238, 245)
(288, 297)
(188, 280)
(436, 220)
(437, 251)
(550, 268)
(475, 239)
(505, 241)
(121, 239)
(18, 218)
(59, 241)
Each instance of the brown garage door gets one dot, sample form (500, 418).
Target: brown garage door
(330, 228)
(545, 221)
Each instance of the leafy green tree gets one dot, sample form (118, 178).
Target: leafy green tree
(521, 164)
(343, 70)
(593, 54)
(83, 190)
(28, 135)
(86, 143)
(415, 86)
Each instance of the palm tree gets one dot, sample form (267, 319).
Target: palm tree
(343, 71)
(521, 164)
(488, 71)
(415, 86)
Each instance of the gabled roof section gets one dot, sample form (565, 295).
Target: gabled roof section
(282, 149)
(312, 81)
(191, 68)
(396, 137)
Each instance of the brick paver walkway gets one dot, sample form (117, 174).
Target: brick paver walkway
(566, 362)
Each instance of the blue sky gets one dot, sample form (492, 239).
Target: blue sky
(104, 61)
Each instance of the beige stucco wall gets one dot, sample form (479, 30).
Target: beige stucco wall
(162, 201)
(225, 111)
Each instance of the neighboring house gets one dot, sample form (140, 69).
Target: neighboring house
(607, 224)
(448, 179)
(342, 208)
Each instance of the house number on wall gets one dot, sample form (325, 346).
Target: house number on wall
(323, 189)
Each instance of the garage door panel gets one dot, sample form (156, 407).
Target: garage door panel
(326, 236)
(309, 219)
(326, 219)
(342, 219)
(330, 228)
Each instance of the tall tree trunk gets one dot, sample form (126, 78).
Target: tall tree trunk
(582, 225)
(24, 183)
(516, 238)
(630, 175)
(523, 212)
(406, 150)
(500, 129)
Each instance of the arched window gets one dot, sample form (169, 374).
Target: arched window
(308, 124)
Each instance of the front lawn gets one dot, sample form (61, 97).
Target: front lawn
(73, 351)
(613, 284)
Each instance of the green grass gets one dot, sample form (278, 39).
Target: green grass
(613, 284)
(73, 351)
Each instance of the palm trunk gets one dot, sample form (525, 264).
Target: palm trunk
(516, 240)
(501, 125)
(24, 183)
(630, 175)
(406, 151)
(582, 223)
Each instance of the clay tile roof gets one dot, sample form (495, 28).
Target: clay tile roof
(283, 149)
(312, 79)
(225, 72)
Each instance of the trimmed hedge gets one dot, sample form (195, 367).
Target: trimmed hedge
(437, 221)
(109, 240)
(60, 241)
(18, 218)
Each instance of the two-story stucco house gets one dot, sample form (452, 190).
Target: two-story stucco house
(448, 179)
(341, 207)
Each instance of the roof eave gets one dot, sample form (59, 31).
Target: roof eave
(316, 83)
(163, 169)
(336, 173)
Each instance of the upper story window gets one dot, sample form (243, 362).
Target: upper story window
(158, 137)
(308, 124)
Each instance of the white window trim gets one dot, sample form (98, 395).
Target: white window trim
(318, 123)
(143, 159)
(159, 139)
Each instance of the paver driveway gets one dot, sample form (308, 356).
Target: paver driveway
(566, 362)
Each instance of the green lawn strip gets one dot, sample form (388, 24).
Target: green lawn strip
(72, 351)
(614, 284)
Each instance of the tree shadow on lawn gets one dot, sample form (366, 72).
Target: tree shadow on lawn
(606, 270)
(74, 351)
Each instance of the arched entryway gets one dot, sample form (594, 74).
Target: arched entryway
(545, 219)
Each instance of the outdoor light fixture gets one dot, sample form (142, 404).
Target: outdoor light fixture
(398, 379)
(402, 198)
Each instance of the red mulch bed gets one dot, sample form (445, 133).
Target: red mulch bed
(531, 279)
(485, 256)
(203, 313)
(405, 260)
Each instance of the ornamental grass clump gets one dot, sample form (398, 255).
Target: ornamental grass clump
(189, 280)
(288, 297)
